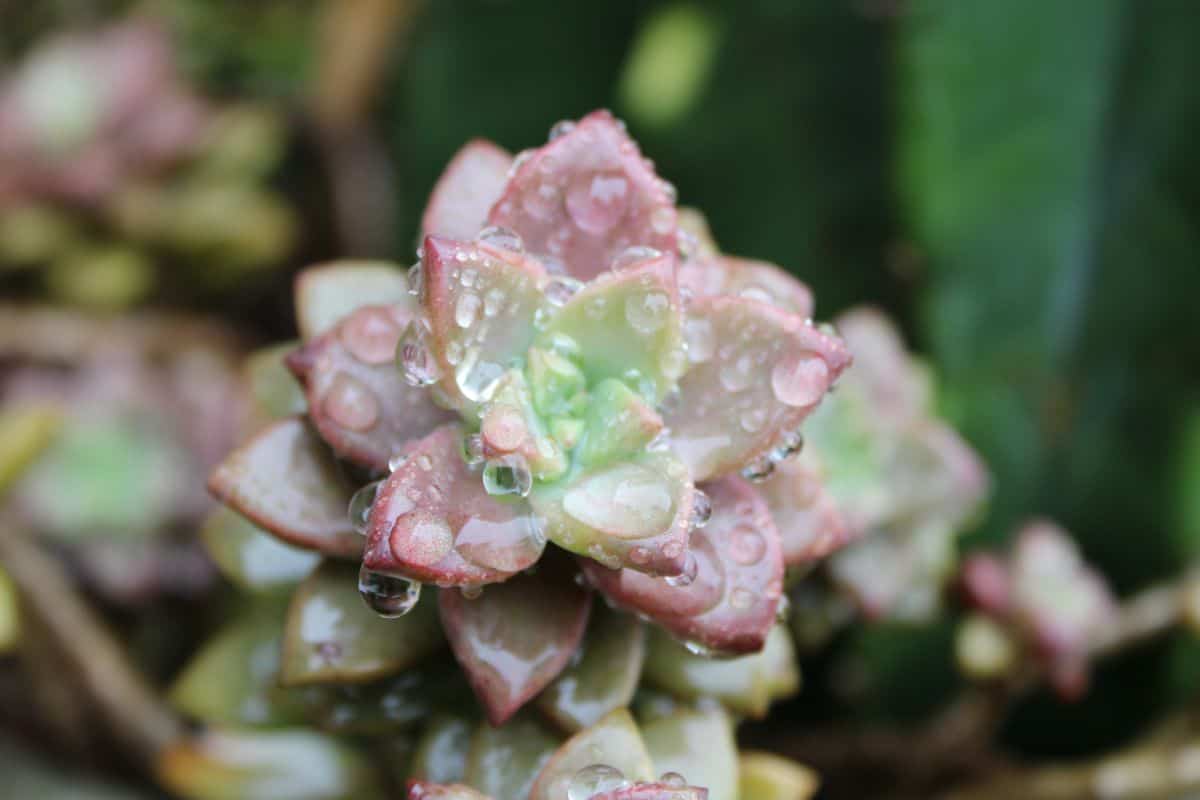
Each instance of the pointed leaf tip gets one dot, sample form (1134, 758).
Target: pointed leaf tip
(585, 197)
(515, 639)
(326, 293)
(432, 520)
(466, 190)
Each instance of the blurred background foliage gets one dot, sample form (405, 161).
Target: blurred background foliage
(1012, 181)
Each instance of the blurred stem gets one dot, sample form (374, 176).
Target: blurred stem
(357, 39)
(141, 724)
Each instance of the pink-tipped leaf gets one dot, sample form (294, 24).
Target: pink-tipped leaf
(326, 293)
(466, 190)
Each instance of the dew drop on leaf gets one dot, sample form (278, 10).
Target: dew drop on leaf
(388, 596)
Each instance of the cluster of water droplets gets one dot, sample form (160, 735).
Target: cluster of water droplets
(701, 514)
(788, 445)
(598, 779)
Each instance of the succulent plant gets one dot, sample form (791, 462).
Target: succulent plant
(1043, 599)
(568, 394)
(110, 161)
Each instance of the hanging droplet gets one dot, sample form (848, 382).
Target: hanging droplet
(790, 444)
(632, 255)
(471, 591)
(560, 128)
(560, 289)
(595, 779)
(396, 461)
(759, 469)
(416, 276)
(501, 238)
(473, 449)
(685, 578)
(508, 475)
(672, 780)
(413, 357)
(784, 610)
(388, 596)
(701, 509)
(360, 505)
(698, 649)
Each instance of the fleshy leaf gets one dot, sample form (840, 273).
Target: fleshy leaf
(285, 481)
(386, 707)
(627, 325)
(811, 525)
(332, 637)
(357, 399)
(504, 761)
(587, 196)
(222, 764)
(481, 301)
(432, 520)
(698, 745)
(509, 424)
(618, 423)
(420, 790)
(441, 755)
(654, 791)
(250, 557)
(746, 685)
(613, 741)
(715, 274)
(635, 513)
(466, 190)
(233, 679)
(730, 603)
(517, 638)
(897, 388)
(766, 776)
(605, 676)
(326, 293)
(274, 389)
(756, 373)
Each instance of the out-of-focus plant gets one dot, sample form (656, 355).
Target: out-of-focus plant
(118, 180)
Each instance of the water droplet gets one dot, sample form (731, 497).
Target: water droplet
(753, 419)
(396, 461)
(370, 335)
(596, 307)
(424, 462)
(595, 779)
(413, 357)
(388, 596)
(454, 352)
(701, 509)
(756, 292)
(672, 780)
(686, 244)
(520, 160)
(698, 649)
(360, 505)
(560, 128)
(597, 201)
(560, 289)
(416, 276)
(466, 310)
(670, 192)
(350, 403)
(478, 379)
(647, 313)
(501, 238)
(508, 475)
(790, 444)
(759, 469)
(662, 219)
(493, 301)
(686, 577)
(429, 541)
(473, 449)
(799, 380)
(700, 338)
(784, 610)
(471, 591)
(741, 598)
(746, 545)
(631, 256)
(737, 374)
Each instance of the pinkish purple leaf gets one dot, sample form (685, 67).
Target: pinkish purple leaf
(756, 373)
(627, 325)
(326, 293)
(359, 402)
(587, 196)
(896, 386)
(614, 741)
(433, 522)
(515, 639)
(423, 790)
(633, 513)
(481, 301)
(286, 481)
(716, 274)
(730, 604)
(466, 190)
(654, 791)
(811, 526)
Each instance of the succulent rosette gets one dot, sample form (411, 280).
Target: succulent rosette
(551, 404)
(1041, 597)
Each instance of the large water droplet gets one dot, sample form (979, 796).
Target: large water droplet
(506, 544)
(413, 357)
(478, 379)
(501, 238)
(430, 540)
(691, 567)
(370, 335)
(360, 505)
(388, 595)
(595, 779)
(799, 380)
(633, 255)
(647, 313)
(350, 403)
(596, 201)
(509, 475)
(700, 338)
(629, 501)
